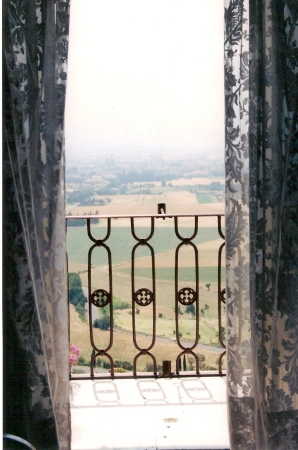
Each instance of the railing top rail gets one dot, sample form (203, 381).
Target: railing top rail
(136, 216)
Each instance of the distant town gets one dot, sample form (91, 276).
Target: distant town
(94, 180)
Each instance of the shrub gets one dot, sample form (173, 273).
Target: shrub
(124, 364)
(150, 367)
(77, 371)
(190, 309)
(103, 323)
(119, 370)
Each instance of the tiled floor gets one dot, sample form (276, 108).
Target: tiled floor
(185, 413)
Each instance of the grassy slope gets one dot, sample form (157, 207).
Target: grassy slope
(123, 347)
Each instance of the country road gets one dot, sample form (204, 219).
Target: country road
(209, 348)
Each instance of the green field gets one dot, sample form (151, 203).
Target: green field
(166, 326)
(204, 198)
(187, 274)
(121, 242)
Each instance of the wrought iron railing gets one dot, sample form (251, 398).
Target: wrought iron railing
(147, 297)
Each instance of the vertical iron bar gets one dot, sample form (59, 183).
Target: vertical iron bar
(92, 296)
(188, 294)
(143, 297)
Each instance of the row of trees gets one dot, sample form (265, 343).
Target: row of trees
(83, 196)
(76, 294)
(184, 364)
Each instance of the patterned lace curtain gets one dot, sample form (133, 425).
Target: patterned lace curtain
(35, 317)
(261, 80)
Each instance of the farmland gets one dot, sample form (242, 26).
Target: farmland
(164, 241)
(177, 201)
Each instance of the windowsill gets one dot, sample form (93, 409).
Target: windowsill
(137, 414)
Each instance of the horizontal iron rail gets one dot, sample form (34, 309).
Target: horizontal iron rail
(135, 216)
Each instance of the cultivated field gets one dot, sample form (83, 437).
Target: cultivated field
(178, 202)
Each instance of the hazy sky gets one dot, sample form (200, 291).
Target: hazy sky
(145, 75)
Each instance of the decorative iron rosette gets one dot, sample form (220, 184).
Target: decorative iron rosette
(143, 297)
(100, 298)
(187, 296)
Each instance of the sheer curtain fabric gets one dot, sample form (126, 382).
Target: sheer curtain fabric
(35, 312)
(261, 82)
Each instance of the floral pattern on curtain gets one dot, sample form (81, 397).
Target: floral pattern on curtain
(35, 312)
(261, 82)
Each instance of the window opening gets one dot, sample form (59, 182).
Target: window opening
(145, 127)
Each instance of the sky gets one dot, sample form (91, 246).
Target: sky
(145, 75)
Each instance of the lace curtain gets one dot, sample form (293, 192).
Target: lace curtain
(35, 317)
(261, 81)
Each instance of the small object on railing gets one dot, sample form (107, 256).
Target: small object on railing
(166, 369)
(161, 209)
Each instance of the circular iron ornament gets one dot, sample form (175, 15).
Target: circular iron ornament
(100, 298)
(143, 297)
(187, 296)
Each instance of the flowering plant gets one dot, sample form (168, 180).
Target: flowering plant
(74, 352)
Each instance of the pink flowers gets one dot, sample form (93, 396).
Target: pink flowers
(74, 352)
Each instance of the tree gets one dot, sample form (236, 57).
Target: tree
(190, 309)
(208, 286)
(83, 196)
(184, 363)
(124, 364)
(216, 186)
(202, 358)
(76, 294)
(103, 323)
(179, 310)
(223, 333)
(191, 362)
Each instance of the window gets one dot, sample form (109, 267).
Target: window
(145, 101)
(145, 125)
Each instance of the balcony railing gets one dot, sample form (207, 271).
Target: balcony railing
(101, 265)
